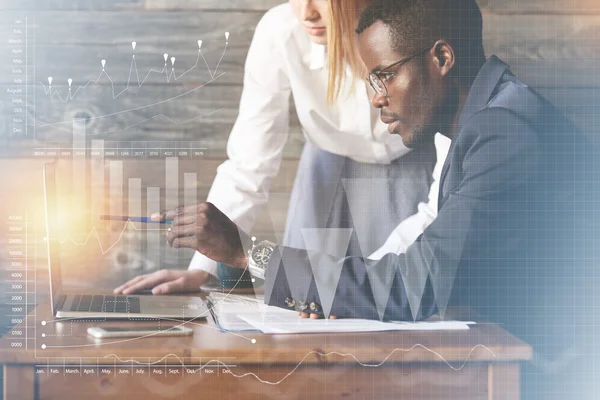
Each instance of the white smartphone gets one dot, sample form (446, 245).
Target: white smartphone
(115, 331)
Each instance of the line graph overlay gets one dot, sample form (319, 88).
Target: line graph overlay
(170, 75)
(95, 231)
(70, 121)
(216, 362)
(319, 354)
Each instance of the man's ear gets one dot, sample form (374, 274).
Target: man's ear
(444, 57)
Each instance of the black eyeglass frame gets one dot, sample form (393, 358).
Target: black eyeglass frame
(374, 77)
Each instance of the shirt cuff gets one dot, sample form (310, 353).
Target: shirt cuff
(203, 263)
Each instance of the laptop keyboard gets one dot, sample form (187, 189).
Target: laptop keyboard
(109, 304)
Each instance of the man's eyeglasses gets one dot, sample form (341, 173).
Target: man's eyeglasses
(377, 79)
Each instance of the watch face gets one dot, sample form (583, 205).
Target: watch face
(261, 255)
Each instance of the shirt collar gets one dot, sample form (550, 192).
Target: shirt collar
(317, 56)
(482, 88)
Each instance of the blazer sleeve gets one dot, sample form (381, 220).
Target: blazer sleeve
(496, 156)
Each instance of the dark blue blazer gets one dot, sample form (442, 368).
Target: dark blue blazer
(513, 239)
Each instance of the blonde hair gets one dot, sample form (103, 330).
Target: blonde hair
(341, 46)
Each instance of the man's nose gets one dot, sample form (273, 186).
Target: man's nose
(379, 101)
(308, 11)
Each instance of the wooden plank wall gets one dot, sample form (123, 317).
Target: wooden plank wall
(553, 45)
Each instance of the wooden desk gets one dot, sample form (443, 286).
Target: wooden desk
(482, 363)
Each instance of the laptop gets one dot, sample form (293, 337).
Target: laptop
(102, 306)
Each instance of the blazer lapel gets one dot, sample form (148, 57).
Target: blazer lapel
(478, 97)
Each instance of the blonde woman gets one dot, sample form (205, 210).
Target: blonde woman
(354, 179)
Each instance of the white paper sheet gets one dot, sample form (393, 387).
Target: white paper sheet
(228, 308)
(290, 323)
(244, 313)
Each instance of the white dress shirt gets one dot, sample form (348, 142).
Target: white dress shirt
(412, 227)
(283, 61)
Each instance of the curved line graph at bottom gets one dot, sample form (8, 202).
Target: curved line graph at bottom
(314, 352)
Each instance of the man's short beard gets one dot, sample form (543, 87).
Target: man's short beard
(418, 137)
(422, 134)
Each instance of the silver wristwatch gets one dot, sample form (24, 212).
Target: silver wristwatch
(259, 256)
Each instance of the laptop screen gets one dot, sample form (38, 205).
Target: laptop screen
(52, 241)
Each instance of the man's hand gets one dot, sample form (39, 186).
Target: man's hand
(166, 281)
(203, 227)
(313, 316)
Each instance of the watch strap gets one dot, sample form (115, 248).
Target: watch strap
(253, 268)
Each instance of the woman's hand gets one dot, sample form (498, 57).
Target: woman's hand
(313, 316)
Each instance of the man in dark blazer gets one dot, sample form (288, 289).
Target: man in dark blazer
(515, 232)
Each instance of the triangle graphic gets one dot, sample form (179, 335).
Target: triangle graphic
(326, 272)
(381, 277)
(364, 199)
(296, 277)
(332, 241)
(415, 267)
(326, 249)
(414, 278)
(444, 264)
(437, 265)
(316, 188)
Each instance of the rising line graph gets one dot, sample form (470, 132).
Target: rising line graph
(70, 121)
(170, 74)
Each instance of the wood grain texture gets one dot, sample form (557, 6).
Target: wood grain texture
(307, 382)
(19, 382)
(581, 105)
(544, 50)
(201, 114)
(502, 6)
(503, 382)
(563, 7)
(149, 5)
(71, 45)
(205, 114)
(482, 343)
(70, 5)
(255, 5)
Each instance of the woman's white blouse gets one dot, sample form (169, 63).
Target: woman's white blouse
(283, 61)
